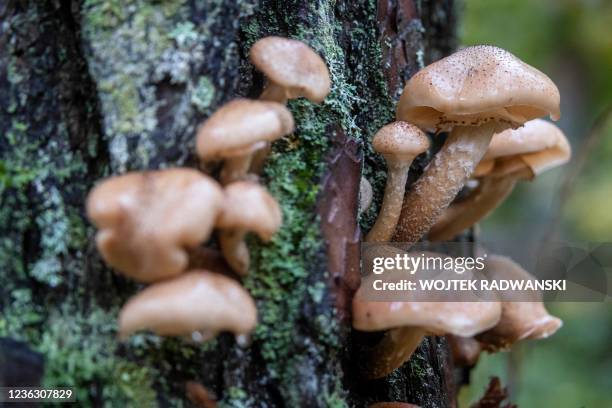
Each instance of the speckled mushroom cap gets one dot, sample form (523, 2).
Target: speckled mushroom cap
(538, 145)
(523, 315)
(292, 65)
(476, 85)
(249, 206)
(240, 126)
(148, 219)
(196, 301)
(462, 314)
(400, 141)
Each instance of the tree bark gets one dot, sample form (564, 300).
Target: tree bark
(98, 87)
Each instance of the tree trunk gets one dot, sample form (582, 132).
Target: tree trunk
(98, 87)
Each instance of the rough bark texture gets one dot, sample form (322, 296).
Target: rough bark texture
(98, 87)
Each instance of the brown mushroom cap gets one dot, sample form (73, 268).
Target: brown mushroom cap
(521, 318)
(439, 318)
(148, 220)
(462, 318)
(249, 206)
(533, 136)
(400, 141)
(292, 65)
(475, 85)
(240, 126)
(196, 301)
(538, 145)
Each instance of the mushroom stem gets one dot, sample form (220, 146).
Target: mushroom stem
(274, 92)
(442, 179)
(491, 192)
(393, 350)
(235, 168)
(391, 208)
(259, 158)
(235, 250)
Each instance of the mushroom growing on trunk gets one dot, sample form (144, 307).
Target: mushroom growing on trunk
(513, 155)
(199, 304)
(399, 143)
(473, 93)
(417, 314)
(247, 207)
(523, 314)
(366, 194)
(149, 221)
(235, 131)
(293, 70)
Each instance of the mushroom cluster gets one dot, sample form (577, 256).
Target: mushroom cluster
(489, 102)
(152, 224)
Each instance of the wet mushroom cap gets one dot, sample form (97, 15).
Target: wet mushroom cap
(196, 301)
(240, 127)
(292, 65)
(400, 140)
(249, 206)
(148, 220)
(476, 85)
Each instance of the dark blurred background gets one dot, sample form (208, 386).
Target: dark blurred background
(571, 41)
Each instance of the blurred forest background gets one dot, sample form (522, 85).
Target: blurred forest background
(570, 40)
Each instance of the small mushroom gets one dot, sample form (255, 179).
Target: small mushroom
(148, 221)
(515, 155)
(399, 143)
(411, 319)
(523, 316)
(199, 302)
(293, 70)
(474, 93)
(247, 207)
(237, 130)
(465, 350)
(366, 194)
(199, 395)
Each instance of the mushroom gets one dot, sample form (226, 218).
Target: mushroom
(237, 130)
(365, 195)
(199, 395)
(293, 70)
(148, 221)
(417, 315)
(198, 303)
(513, 155)
(247, 207)
(399, 143)
(473, 93)
(465, 350)
(523, 315)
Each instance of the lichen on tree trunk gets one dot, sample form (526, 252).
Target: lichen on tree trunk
(98, 87)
